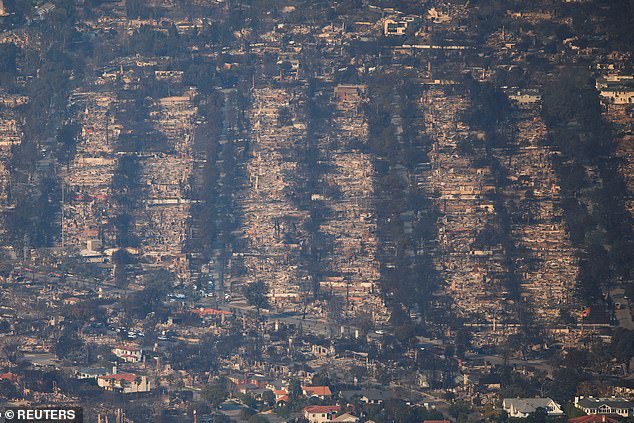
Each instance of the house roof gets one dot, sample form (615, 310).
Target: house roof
(490, 379)
(615, 402)
(527, 405)
(128, 377)
(593, 418)
(92, 370)
(313, 409)
(346, 417)
(317, 390)
(9, 376)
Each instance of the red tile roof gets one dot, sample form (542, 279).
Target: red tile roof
(317, 390)
(128, 377)
(9, 376)
(313, 409)
(594, 418)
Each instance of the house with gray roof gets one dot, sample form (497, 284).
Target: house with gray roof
(523, 407)
(612, 405)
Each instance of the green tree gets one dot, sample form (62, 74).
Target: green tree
(69, 345)
(565, 386)
(256, 295)
(8, 56)
(294, 390)
(321, 378)
(572, 411)
(539, 416)
(67, 138)
(268, 397)
(622, 346)
(8, 389)
(216, 393)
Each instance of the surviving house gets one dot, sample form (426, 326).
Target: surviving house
(616, 89)
(523, 407)
(321, 392)
(612, 405)
(320, 413)
(125, 383)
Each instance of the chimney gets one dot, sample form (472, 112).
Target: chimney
(114, 369)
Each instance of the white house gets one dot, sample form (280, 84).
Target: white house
(125, 383)
(616, 89)
(612, 405)
(320, 413)
(523, 407)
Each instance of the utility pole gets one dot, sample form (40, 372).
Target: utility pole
(107, 123)
(62, 211)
